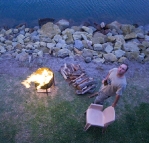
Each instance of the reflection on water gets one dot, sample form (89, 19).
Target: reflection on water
(13, 12)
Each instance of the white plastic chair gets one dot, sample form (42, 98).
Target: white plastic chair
(96, 116)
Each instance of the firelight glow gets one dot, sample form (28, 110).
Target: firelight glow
(41, 77)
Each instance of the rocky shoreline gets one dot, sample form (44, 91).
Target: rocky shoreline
(113, 42)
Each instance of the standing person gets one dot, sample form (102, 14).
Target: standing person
(114, 84)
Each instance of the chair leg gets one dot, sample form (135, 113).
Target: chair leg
(104, 129)
(87, 126)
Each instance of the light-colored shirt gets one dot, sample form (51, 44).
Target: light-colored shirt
(116, 84)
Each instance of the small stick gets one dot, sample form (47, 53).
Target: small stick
(94, 94)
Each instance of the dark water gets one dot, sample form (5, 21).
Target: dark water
(14, 12)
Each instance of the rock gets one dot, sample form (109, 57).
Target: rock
(78, 44)
(86, 45)
(44, 49)
(132, 55)
(114, 25)
(110, 57)
(130, 36)
(9, 48)
(29, 46)
(2, 49)
(26, 29)
(118, 45)
(127, 28)
(98, 47)
(2, 31)
(120, 38)
(140, 58)
(99, 60)
(146, 59)
(20, 36)
(145, 44)
(131, 46)
(146, 52)
(50, 30)
(22, 57)
(88, 30)
(93, 28)
(8, 42)
(102, 25)
(98, 38)
(140, 35)
(119, 53)
(122, 60)
(69, 39)
(2, 39)
(61, 44)
(76, 28)
(15, 31)
(40, 53)
(146, 37)
(108, 49)
(56, 38)
(63, 24)
(88, 59)
(78, 35)
(50, 45)
(63, 53)
(8, 32)
(111, 38)
(34, 38)
(68, 30)
(87, 53)
(43, 44)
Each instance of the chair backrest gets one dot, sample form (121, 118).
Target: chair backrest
(109, 115)
(96, 106)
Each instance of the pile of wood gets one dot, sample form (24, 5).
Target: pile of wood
(78, 78)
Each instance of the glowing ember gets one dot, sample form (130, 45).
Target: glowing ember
(41, 77)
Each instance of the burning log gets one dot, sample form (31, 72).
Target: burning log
(43, 79)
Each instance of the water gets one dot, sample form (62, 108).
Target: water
(14, 12)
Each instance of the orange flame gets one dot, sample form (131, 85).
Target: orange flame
(42, 76)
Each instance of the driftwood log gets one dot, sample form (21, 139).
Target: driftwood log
(78, 78)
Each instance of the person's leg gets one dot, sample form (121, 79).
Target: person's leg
(100, 99)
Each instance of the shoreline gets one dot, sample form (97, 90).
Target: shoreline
(99, 43)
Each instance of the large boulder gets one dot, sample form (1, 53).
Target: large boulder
(110, 57)
(119, 53)
(114, 25)
(98, 38)
(127, 28)
(131, 46)
(49, 29)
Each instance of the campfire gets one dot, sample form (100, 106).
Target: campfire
(43, 79)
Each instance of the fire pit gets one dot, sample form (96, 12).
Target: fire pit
(43, 79)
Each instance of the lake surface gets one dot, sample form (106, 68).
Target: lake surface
(14, 12)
